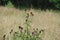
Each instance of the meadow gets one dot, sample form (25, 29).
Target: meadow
(12, 18)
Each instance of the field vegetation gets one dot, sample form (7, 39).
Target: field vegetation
(29, 24)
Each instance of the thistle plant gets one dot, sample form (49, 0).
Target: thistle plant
(25, 34)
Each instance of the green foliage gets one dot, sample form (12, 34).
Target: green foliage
(43, 4)
(9, 4)
(58, 6)
(56, 3)
(35, 35)
(53, 1)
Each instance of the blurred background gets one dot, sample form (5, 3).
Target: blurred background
(42, 4)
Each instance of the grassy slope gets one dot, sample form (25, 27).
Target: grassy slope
(11, 18)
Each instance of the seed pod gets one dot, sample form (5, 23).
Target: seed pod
(34, 29)
(27, 15)
(4, 37)
(37, 29)
(25, 10)
(31, 13)
(26, 20)
(15, 32)
(20, 27)
(32, 33)
(11, 31)
(41, 31)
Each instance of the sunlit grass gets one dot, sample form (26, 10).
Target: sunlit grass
(11, 18)
(26, 34)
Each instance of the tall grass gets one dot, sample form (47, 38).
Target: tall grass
(25, 34)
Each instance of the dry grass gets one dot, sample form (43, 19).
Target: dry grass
(11, 18)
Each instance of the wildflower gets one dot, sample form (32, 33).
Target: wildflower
(11, 31)
(4, 37)
(25, 10)
(41, 31)
(15, 32)
(27, 15)
(33, 33)
(31, 13)
(26, 20)
(37, 29)
(20, 27)
(33, 28)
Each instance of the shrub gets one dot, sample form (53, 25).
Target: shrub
(43, 4)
